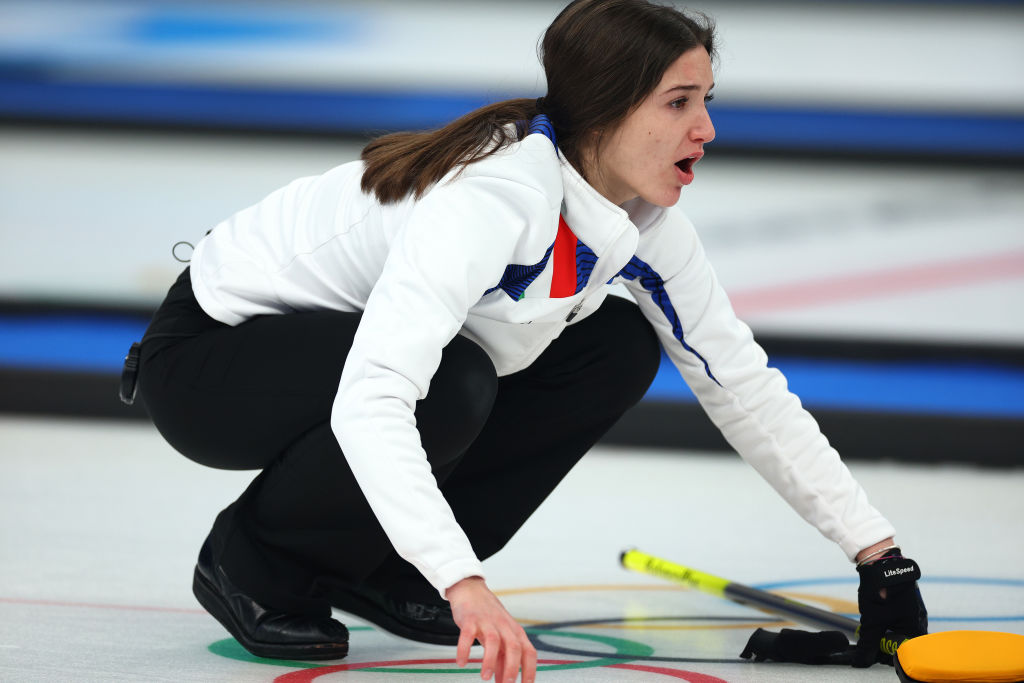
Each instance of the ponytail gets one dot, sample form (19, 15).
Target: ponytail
(400, 164)
(601, 59)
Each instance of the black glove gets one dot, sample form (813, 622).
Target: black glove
(804, 647)
(901, 610)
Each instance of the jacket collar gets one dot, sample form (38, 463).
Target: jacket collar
(593, 219)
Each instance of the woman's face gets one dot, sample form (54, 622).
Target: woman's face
(652, 152)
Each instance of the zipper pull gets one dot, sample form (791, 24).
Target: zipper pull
(573, 312)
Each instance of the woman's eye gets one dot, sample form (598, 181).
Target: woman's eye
(678, 104)
(709, 97)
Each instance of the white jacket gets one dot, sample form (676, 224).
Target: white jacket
(506, 253)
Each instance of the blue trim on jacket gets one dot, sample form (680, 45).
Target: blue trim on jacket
(542, 124)
(517, 278)
(586, 259)
(653, 283)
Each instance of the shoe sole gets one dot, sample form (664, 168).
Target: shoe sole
(369, 611)
(209, 597)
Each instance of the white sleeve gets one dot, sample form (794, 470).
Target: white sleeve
(747, 400)
(453, 248)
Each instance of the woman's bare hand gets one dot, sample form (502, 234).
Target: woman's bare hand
(481, 616)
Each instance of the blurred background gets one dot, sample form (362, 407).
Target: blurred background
(863, 202)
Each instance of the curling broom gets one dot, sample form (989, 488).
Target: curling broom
(745, 595)
(974, 656)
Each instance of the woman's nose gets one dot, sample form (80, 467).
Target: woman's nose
(703, 130)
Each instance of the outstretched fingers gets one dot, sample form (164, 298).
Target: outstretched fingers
(506, 653)
(466, 638)
(481, 616)
(507, 669)
(529, 662)
(492, 649)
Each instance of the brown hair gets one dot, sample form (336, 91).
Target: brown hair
(602, 58)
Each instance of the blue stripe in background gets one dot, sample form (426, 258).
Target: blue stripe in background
(226, 26)
(232, 106)
(83, 342)
(68, 342)
(360, 112)
(74, 73)
(965, 389)
(870, 131)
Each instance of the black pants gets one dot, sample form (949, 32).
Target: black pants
(259, 396)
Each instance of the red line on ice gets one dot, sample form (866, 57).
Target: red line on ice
(92, 605)
(878, 283)
(308, 675)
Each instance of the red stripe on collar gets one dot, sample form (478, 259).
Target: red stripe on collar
(563, 259)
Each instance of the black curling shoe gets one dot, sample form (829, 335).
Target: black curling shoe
(261, 631)
(425, 622)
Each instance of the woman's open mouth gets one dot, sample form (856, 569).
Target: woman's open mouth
(684, 168)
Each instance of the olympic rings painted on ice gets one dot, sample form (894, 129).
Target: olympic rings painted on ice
(535, 634)
(835, 604)
(308, 675)
(925, 581)
(626, 652)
